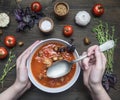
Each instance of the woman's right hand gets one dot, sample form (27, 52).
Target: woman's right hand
(93, 70)
(94, 67)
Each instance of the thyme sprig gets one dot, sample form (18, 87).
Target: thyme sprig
(104, 32)
(8, 66)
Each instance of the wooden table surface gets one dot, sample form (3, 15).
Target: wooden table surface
(78, 90)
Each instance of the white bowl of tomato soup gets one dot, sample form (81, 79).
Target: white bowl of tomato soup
(43, 55)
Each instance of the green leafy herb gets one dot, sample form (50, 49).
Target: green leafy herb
(8, 66)
(104, 32)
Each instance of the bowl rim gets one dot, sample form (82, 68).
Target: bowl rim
(45, 88)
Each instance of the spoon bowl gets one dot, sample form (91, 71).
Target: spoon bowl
(59, 69)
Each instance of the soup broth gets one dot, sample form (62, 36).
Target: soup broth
(44, 57)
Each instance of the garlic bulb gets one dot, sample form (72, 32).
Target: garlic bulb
(82, 18)
(4, 19)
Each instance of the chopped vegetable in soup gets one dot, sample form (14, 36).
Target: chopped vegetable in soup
(44, 57)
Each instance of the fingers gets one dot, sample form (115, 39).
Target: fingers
(104, 61)
(94, 56)
(30, 47)
(91, 50)
(25, 56)
(85, 62)
(98, 56)
(20, 57)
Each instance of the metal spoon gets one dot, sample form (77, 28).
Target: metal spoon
(63, 67)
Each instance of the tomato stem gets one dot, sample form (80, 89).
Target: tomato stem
(35, 7)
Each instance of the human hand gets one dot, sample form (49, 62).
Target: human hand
(93, 69)
(22, 82)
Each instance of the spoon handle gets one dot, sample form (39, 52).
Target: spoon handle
(105, 46)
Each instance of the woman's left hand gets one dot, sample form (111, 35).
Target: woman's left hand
(22, 82)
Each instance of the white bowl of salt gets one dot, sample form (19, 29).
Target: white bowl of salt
(46, 25)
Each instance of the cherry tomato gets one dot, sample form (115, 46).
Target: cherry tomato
(3, 52)
(36, 6)
(68, 30)
(98, 9)
(10, 41)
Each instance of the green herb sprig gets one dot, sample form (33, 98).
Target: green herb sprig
(8, 66)
(104, 32)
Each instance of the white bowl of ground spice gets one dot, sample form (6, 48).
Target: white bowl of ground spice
(46, 25)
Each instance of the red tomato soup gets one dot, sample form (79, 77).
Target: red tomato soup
(44, 57)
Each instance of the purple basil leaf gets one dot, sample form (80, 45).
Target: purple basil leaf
(35, 16)
(20, 10)
(27, 18)
(105, 82)
(31, 24)
(17, 16)
(71, 41)
(36, 21)
(106, 86)
(71, 48)
(112, 78)
(109, 80)
(21, 26)
(27, 11)
(40, 14)
(62, 49)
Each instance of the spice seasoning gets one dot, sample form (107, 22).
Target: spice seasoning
(61, 9)
(46, 25)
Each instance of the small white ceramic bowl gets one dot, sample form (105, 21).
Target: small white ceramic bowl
(42, 87)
